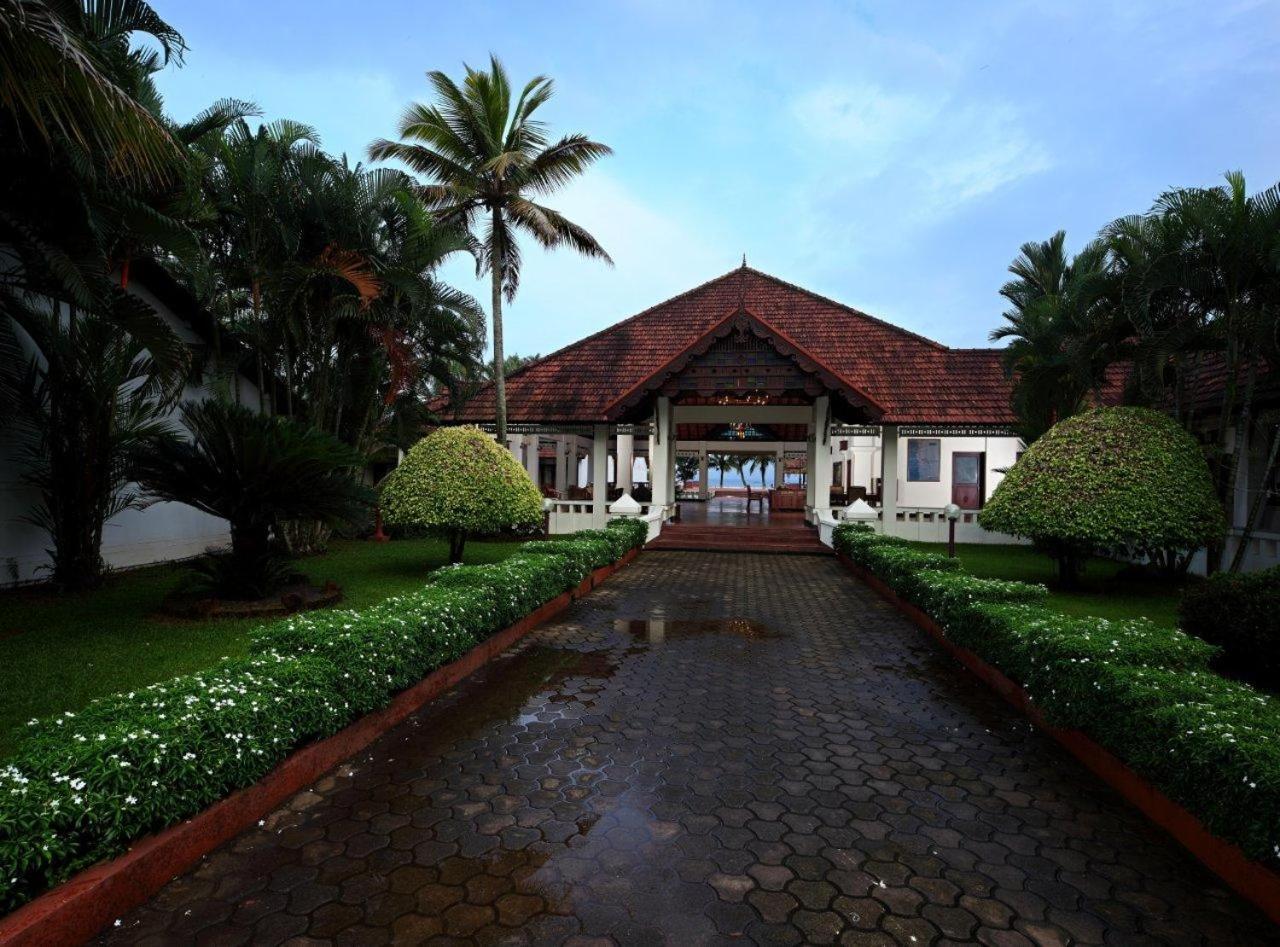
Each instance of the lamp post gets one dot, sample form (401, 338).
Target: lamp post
(952, 513)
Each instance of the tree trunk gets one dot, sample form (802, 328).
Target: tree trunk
(496, 266)
(1255, 510)
(1068, 569)
(1241, 445)
(457, 542)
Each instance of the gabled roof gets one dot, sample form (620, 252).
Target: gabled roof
(908, 378)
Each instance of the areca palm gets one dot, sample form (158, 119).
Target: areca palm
(1059, 330)
(1233, 239)
(487, 159)
(61, 81)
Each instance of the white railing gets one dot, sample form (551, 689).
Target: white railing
(569, 516)
(924, 524)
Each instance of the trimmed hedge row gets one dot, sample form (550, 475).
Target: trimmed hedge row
(82, 786)
(1144, 691)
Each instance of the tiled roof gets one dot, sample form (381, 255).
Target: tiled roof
(913, 379)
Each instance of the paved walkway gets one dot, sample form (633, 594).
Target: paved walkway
(708, 748)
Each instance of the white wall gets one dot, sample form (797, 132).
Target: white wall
(864, 451)
(159, 533)
(1000, 452)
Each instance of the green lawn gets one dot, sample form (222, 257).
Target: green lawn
(1104, 592)
(58, 653)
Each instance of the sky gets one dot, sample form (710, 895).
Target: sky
(891, 155)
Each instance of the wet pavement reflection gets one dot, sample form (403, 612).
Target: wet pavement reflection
(707, 749)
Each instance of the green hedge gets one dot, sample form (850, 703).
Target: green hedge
(1144, 691)
(1241, 613)
(82, 786)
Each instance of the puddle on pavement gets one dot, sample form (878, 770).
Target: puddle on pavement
(659, 630)
(516, 688)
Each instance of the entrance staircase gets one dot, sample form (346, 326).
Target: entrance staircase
(703, 537)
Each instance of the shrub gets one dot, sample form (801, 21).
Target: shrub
(1209, 743)
(459, 481)
(586, 554)
(82, 786)
(1138, 688)
(636, 531)
(1242, 614)
(1124, 480)
(517, 585)
(852, 539)
(256, 471)
(1057, 657)
(948, 594)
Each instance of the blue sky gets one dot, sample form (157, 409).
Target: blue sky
(892, 155)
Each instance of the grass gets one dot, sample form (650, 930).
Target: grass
(1104, 592)
(60, 652)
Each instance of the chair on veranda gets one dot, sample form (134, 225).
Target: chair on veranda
(754, 496)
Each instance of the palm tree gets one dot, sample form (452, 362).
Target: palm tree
(81, 396)
(92, 173)
(760, 464)
(1058, 329)
(61, 82)
(1231, 236)
(487, 159)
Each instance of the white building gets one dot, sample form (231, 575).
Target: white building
(750, 364)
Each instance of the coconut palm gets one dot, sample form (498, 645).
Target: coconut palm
(487, 159)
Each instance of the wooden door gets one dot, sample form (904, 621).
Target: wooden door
(966, 479)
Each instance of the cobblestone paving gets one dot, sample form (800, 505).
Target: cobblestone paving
(710, 748)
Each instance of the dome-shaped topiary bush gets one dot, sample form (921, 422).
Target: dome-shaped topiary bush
(1121, 480)
(457, 480)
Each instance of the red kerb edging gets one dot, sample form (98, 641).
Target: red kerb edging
(1251, 879)
(84, 904)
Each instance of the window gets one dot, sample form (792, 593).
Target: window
(924, 460)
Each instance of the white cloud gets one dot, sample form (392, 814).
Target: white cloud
(939, 151)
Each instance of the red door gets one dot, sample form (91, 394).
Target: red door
(966, 479)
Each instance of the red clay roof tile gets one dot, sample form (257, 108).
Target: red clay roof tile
(913, 379)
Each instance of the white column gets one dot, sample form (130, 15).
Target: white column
(626, 461)
(562, 465)
(888, 479)
(810, 462)
(515, 444)
(600, 474)
(820, 458)
(532, 442)
(703, 472)
(779, 467)
(662, 453)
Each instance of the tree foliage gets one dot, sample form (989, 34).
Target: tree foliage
(489, 160)
(1123, 480)
(256, 472)
(459, 481)
(1174, 309)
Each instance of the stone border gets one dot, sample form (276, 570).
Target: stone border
(1250, 879)
(83, 905)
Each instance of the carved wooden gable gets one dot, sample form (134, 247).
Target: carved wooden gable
(742, 364)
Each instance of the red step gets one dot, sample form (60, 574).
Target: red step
(699, 538)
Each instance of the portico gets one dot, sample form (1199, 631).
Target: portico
(880, 418)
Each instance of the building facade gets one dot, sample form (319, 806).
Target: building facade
(870, 415)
